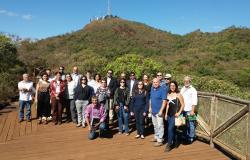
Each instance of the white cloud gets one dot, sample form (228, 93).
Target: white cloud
(13, 14)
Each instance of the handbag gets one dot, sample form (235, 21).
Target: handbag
(180, 121)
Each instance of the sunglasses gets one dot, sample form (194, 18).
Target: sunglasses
(159, 75)
(84, 79)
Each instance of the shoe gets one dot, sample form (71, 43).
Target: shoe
(137, 136)
(78, 125)
(20, 120)
(168, 148)
(119, 133)
(83, 126)
(28, 120)
(153, 140)
(158, 144)
(126, 134)
(142, 137)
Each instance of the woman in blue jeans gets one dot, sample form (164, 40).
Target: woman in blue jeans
(121, 102)
(140, 108)
(173, 110)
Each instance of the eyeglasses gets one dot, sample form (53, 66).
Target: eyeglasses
(168, 78)
(159, 75)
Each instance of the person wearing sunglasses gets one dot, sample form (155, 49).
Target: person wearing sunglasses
(83, 94)
(121, 102)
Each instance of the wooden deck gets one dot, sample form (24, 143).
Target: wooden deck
(30, 141)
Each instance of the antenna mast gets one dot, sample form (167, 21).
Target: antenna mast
(109, 8)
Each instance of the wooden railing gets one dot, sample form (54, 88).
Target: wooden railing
(225, 121)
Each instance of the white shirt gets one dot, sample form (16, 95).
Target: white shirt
(76, 77)
(108, 81)
(190, 97)
(25, 96)
(57, 86)
(96, 85)
(71, 87)
(131, 87)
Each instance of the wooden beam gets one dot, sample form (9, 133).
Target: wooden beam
(231, 121)
(248, 133)
(212, 119)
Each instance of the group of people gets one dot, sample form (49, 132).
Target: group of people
(94, 102)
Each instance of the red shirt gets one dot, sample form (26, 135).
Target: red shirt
(53, 88)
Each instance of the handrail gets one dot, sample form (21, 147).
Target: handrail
(221, 117)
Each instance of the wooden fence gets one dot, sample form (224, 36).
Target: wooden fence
(225, 121)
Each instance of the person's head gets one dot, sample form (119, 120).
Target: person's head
(84, 80)
(122, 82)
(26, 77)
(173, 87)
(75, 69)
(103, 83)
(168, 78)
(187, 81)
(58, 76)
(132, 76)
(145, 78)
(44, 76)
(123, 75)
(156, 83)
(94, 100)
(97, 77)
(110, 73)
(140, 85)
(48, 71)
(61, 69)
(68, 77)
(88, 74)
(159, 76)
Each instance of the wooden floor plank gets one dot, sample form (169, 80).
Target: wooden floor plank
(12, 126)
(2, 122)
(6, 128)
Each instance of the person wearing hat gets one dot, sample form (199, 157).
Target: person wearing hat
(167, 80)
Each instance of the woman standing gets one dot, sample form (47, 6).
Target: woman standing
(121, 102)
(97, 82)
(173, 111)
(69, 99)
(43, 98)
(57, 87)
(140, 108)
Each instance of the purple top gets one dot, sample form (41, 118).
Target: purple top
(95, 112)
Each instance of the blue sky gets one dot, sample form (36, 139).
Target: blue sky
(46, 18)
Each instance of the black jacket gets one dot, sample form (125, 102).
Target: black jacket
(112, 86)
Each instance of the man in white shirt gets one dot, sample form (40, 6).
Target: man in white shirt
(76, 76)
(189, 94)
(26, 90)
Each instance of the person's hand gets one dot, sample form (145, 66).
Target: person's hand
(166, 117)
(176, 114)
(192, 113)
(150, 110)
(160, 114)
(144, 114)
(132, 114)
(89, 128)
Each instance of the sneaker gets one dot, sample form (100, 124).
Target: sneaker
(119, 133)
(158, 144)
(78, 125)
(168, 148)
(83, 126)
(142, 137)
(126, 134)
(153, 140)
(137, 136)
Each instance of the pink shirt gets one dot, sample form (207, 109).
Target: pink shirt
(95, 112)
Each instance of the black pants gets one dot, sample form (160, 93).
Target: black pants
(43, 104)
(139, 119)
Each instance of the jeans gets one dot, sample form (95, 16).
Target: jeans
(171, 129)
(139, 119)
(123, 116)
(81, 106)
(92, 134)
(73, 110)
(22, 104)
(190, 128)
(158, 127)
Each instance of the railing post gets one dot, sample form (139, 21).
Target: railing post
(212, 118)
(248, 133)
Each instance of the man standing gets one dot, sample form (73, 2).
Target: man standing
(63, 75)
(189, 94)
(76, 76)
(112, 85)
(158, 99)
(26, 90)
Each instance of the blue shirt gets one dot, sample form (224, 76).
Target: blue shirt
(157, 95)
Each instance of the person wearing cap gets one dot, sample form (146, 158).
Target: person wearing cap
(189, 94)
(167, 80)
